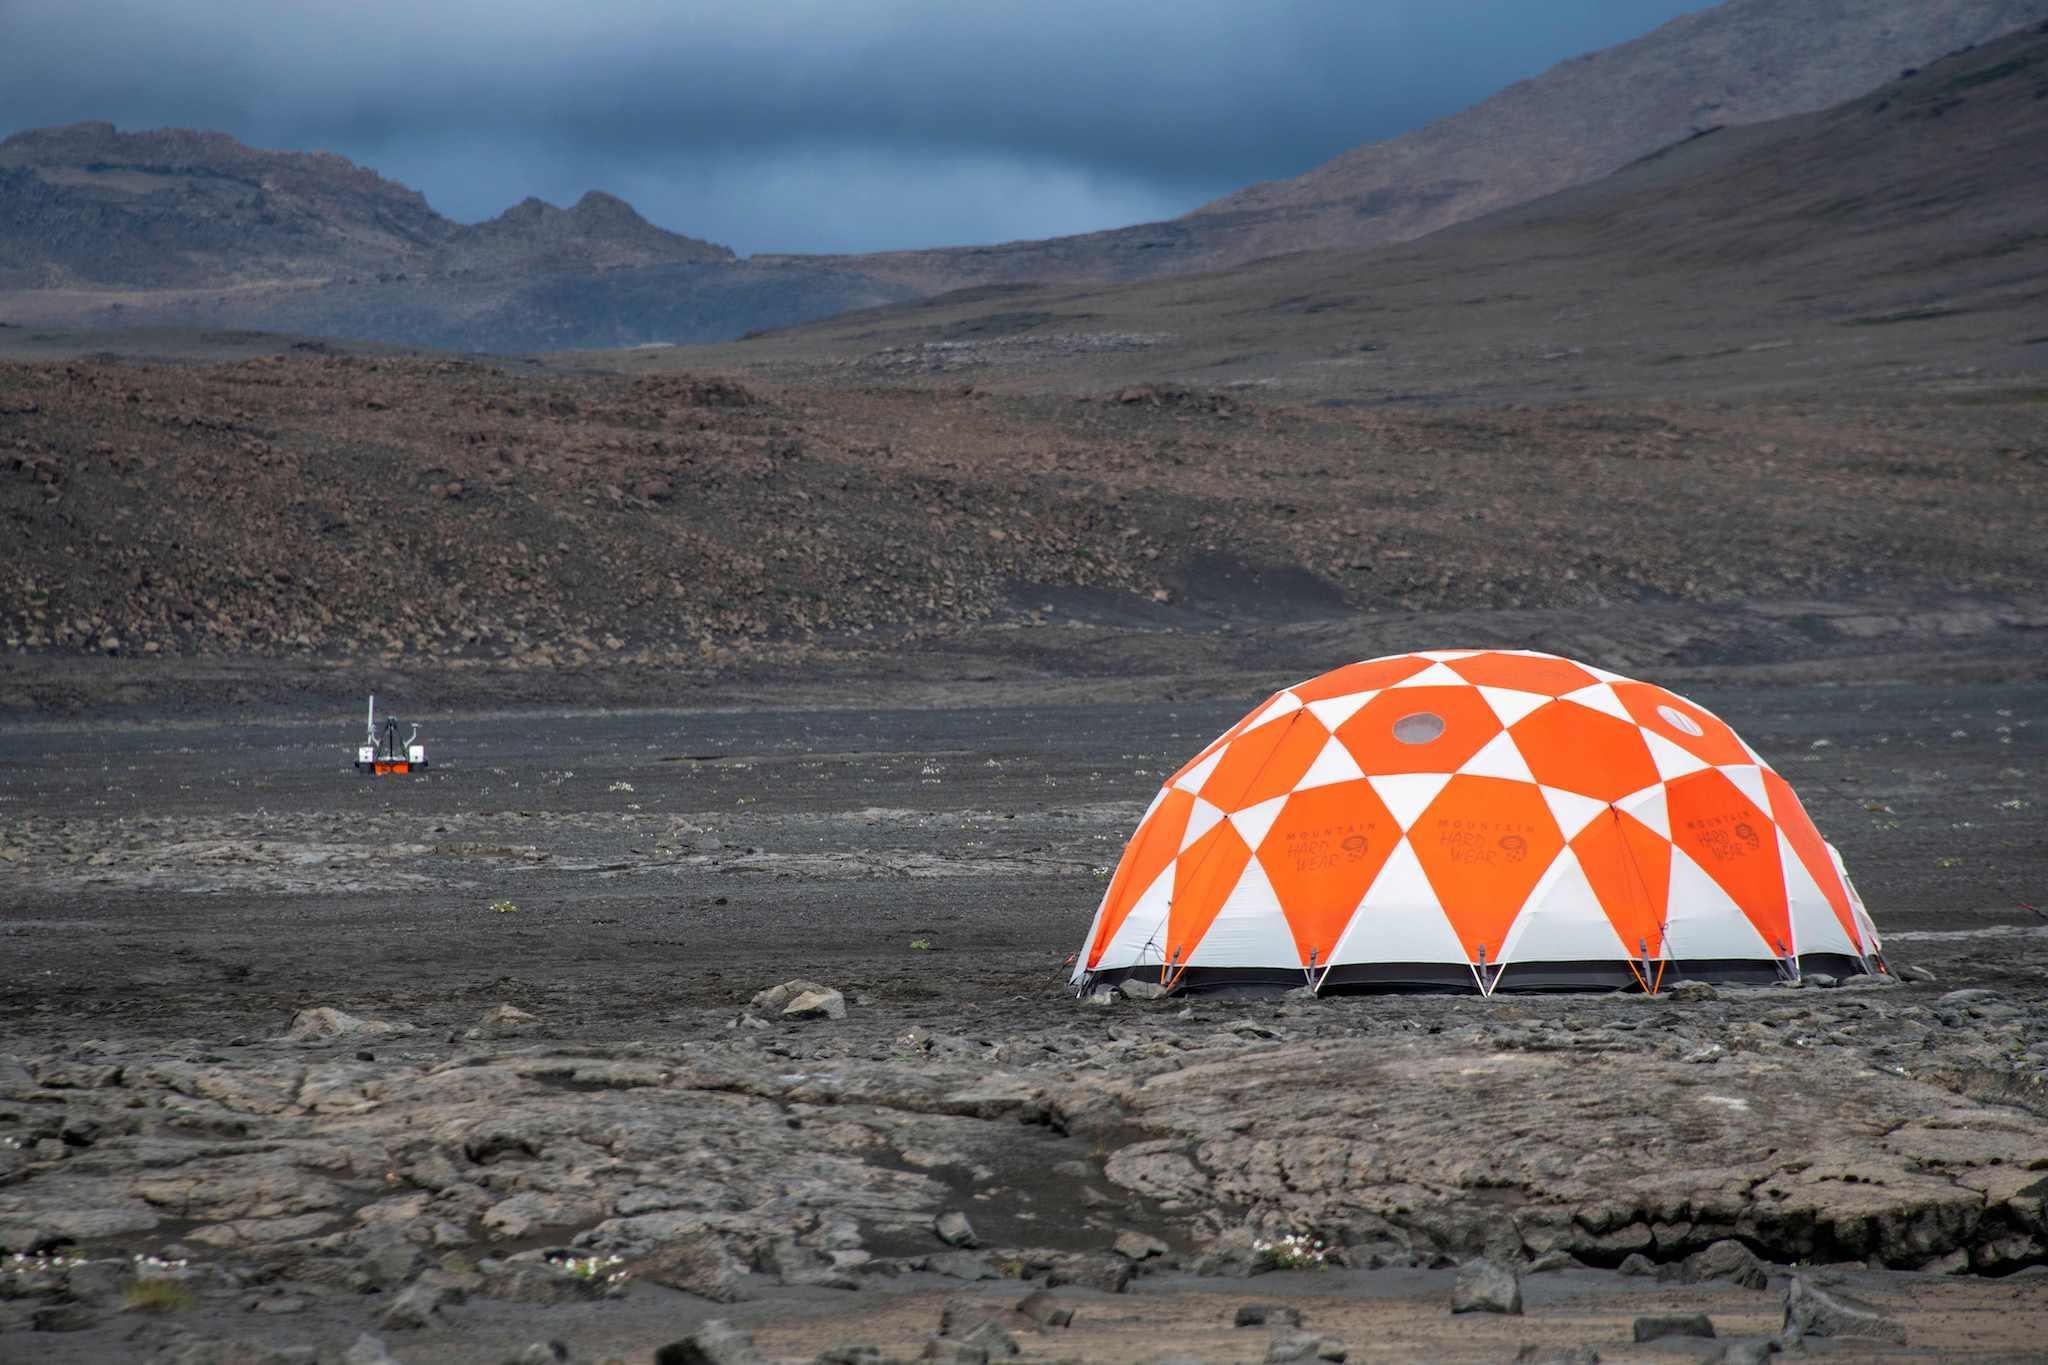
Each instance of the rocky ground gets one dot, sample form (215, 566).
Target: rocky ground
(417, 1059)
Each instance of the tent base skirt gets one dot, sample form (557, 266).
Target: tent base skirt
(1395, 978)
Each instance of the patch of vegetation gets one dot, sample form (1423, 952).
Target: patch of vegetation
(158, 1296)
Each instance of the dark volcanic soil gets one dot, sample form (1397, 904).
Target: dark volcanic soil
(171, 895)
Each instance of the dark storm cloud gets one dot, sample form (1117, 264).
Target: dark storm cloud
(798, 124)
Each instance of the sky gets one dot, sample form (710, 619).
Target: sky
(801, 125)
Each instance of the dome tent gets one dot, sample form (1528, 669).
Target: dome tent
(1475, 819)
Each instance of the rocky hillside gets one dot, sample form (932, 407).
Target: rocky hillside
(1740, 62)
(108, 228)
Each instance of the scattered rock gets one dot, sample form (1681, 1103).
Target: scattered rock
(1134, 989)
(1138, 1246)
(850, 1353)
(1811, 1311)
(1557, 1355)
(1555, 1260)
(1108, 1273)
(1043, 1310)
(1869, 981)
(1974, 995)
(1818, 980)
(503, 1021)
(1655, 1325)
(1291, 1346)
(1486, 1286)
(947, 1351)
(696, 1263)
(1728, 1260)
(326, 1025)
(1692, 992)
(824, 1004)
(414, 1308)
(1268, 1315)
(717, 1342)
(954, 1230)
(1921, 974)
(1635, 1263)
(776, 998)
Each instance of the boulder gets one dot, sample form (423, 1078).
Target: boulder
(1811, 1311)
(776, 998)
(328, 1025)
(1486, 1286)
(1043, 1310)
(696, 1263)
(1692, 992)
(1656, 1325)
(1138, 1246)
(717, 1342)
(415, 1307)
(1135, 989)
(540, 1353)
(1268, 1315)
(1557, 1355)
(954, 1230)
(825, 1004)
(1289, 1346)
(1728, 1260)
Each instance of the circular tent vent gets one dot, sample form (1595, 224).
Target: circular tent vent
(1678, 720)
(1475, 819)
(1420, 727)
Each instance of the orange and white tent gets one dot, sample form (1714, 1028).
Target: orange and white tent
(1476, 818)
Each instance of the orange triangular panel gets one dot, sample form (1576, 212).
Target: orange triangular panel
(1202, 880)
(1484, 843)
(1145, 857)
(1578, 749)
(1468, 723)
(1625, 889)
(1812, 850)
(1675, 718)
(1737, 845)
(1321, 854)
(1265, 763)
(1542, 673)
(1366, 677)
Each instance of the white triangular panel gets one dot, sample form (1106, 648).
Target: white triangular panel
(1651, 805)
(1333, 764)
(1600, 697)
(1749, 780)
(1512, 704)
(1253, 821)
(1407, 795)
(1081, 967)
(1499, 758)
(1400, 919)
(1286, 704)
(1202, 818)
(1445, 655)
(1814, 926)
(1334, 711)
(1137, 939)
(1250, 929)
(1672, 761)
(1571, 811)
(1704, 922)
(1191, 781)
(1562, 920)
(1436, 675)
